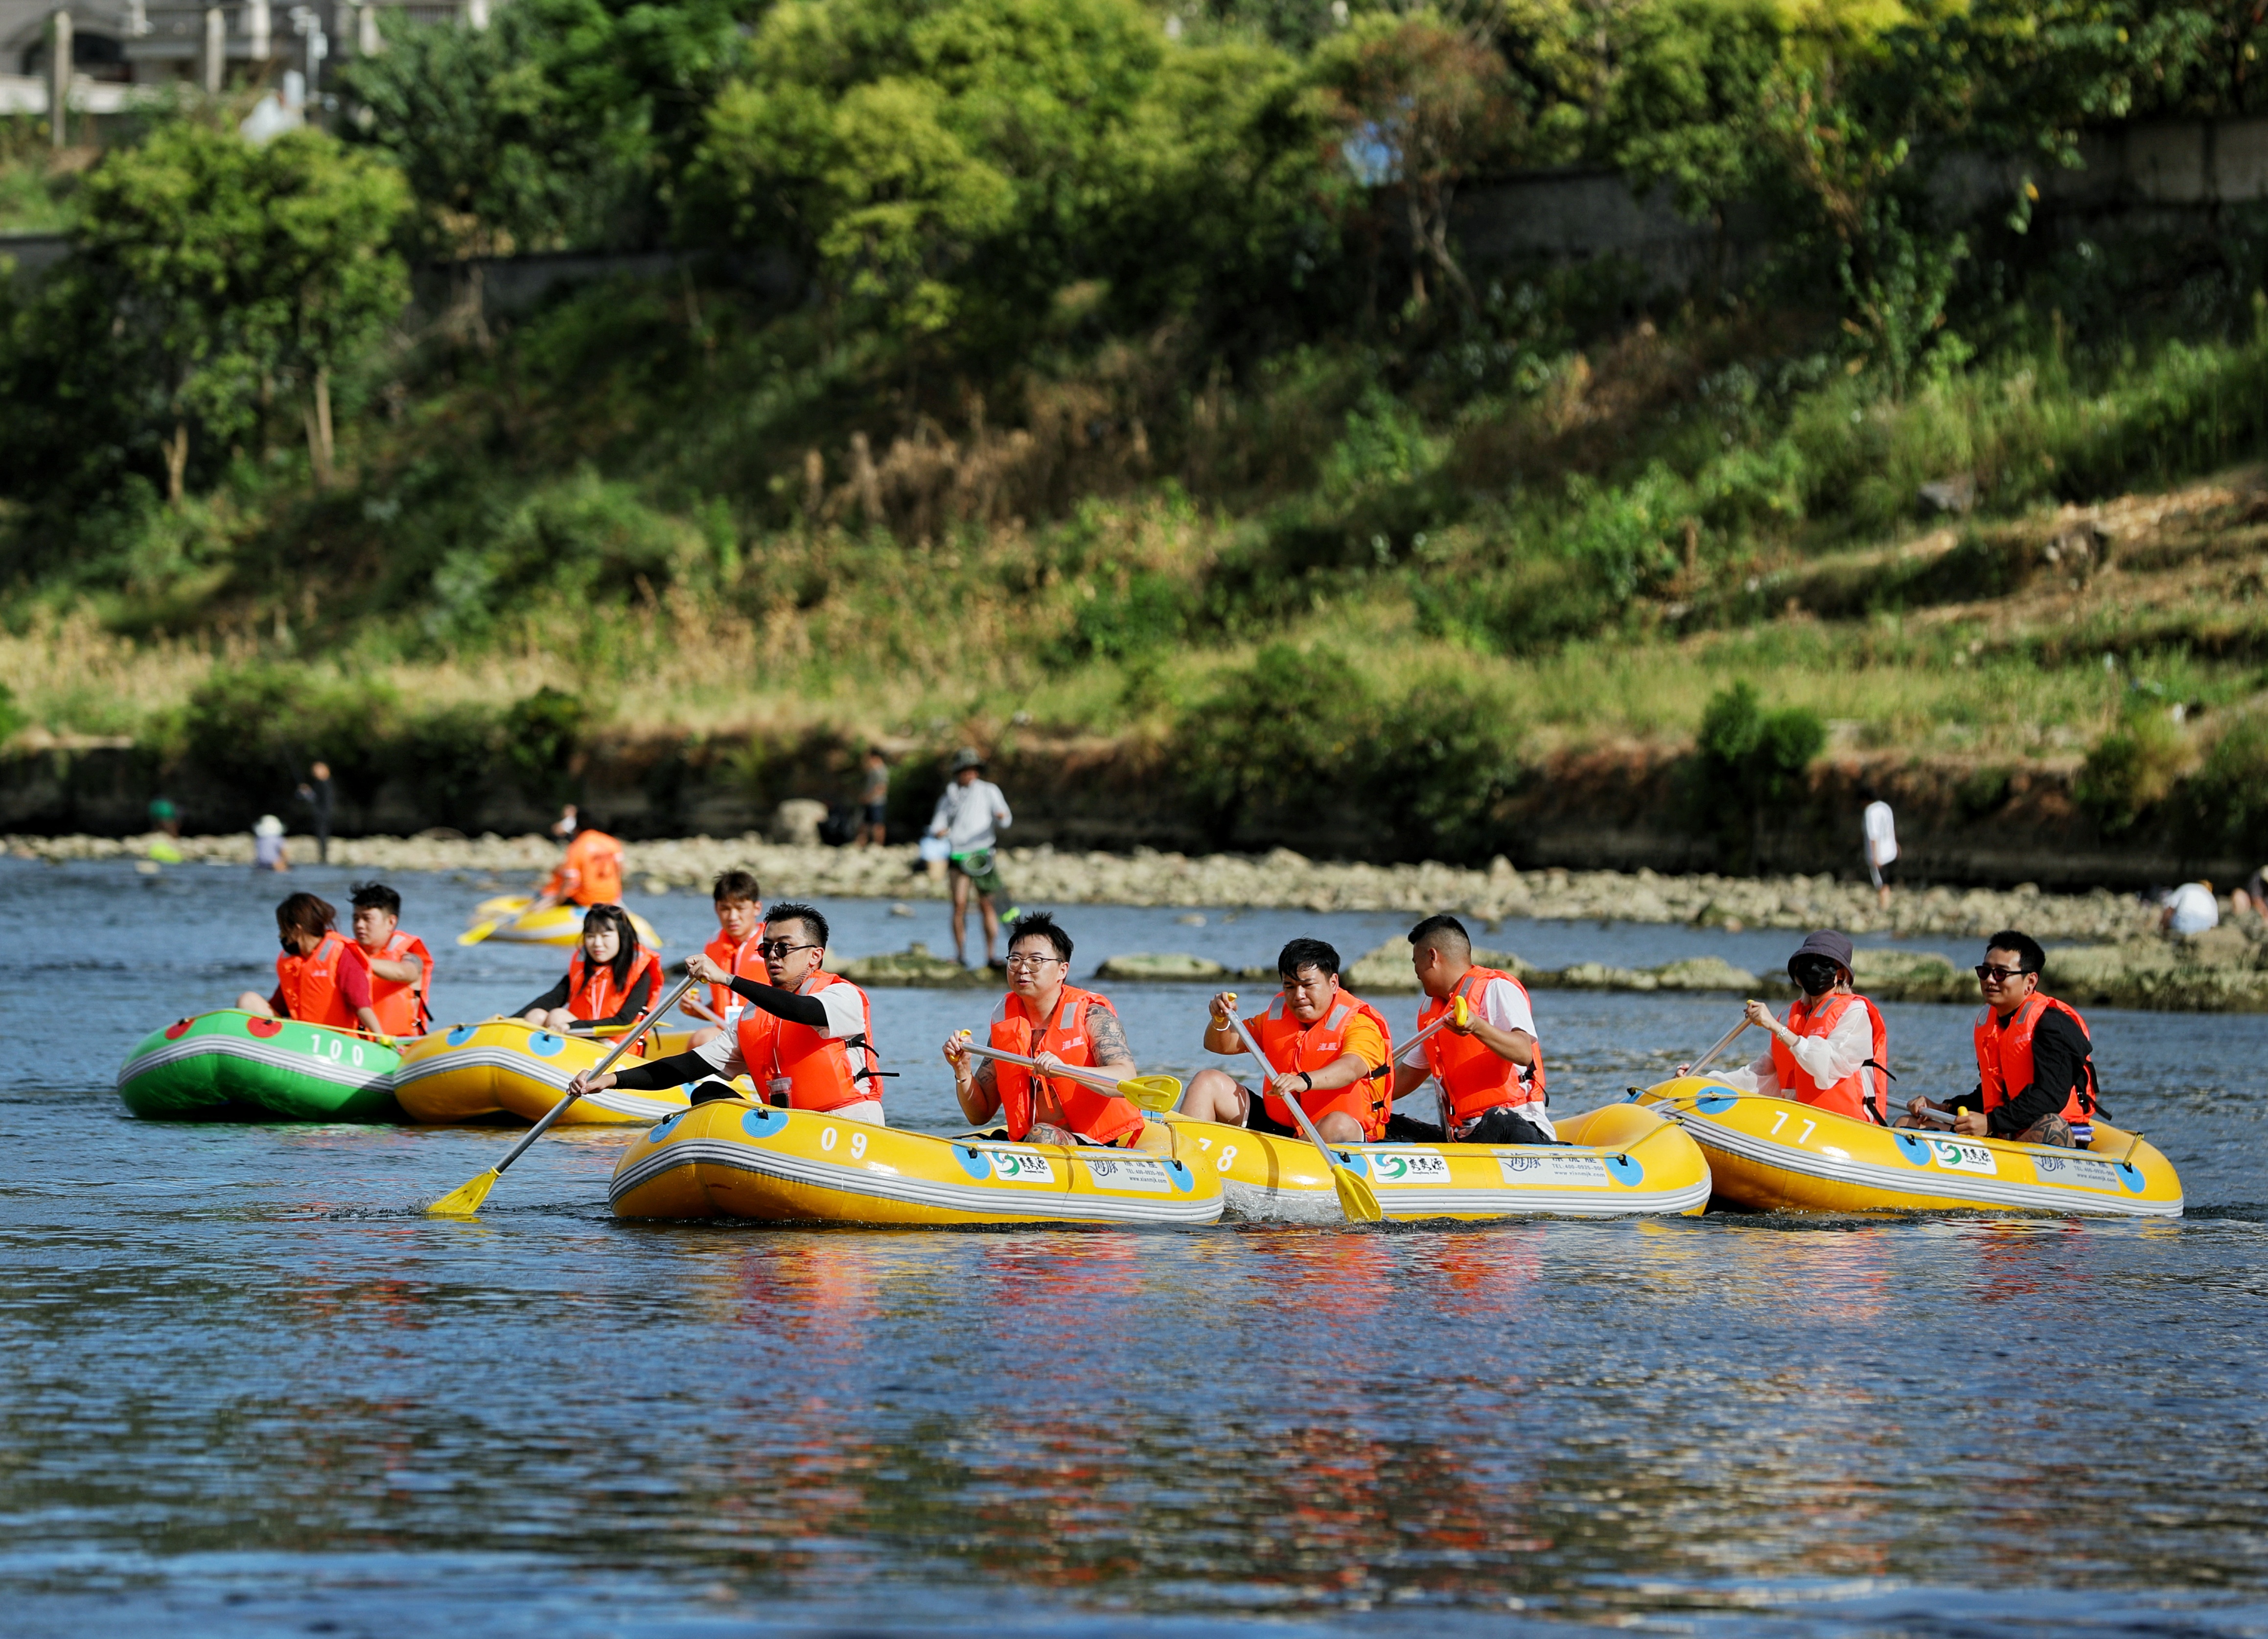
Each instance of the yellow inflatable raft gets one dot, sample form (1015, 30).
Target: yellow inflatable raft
(1775, 1154)
(731, 1158)
(468, 1071)
(1623, 1159)
(553, 924)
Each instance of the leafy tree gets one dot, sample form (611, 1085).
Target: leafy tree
(1424, 106)
(1749, 759)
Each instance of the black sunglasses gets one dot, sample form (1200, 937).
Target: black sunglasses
(772, 949)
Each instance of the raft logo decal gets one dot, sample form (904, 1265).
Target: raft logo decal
(1410, 1166)
(2087, 1175)
(1148, 1176)
(1529, 1170)
(1955, 1156)
(1009, 1166)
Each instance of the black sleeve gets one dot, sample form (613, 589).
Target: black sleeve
(1973, 1099)
(675, 1071)
(2058, 1063)
(782, 1004)
(633, 1004)
(555, 997)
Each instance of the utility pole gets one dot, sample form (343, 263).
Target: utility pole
(215, 62)
(59, 78)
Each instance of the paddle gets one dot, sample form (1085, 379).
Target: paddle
(1460, 1014)
(465, 1200)
(1156, 1093)
(1723, 1042)
(1356, 1199)
(479, 931)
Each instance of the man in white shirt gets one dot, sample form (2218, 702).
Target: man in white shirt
(2192, 909)
(1881, 846)
(1489, 1073)
(966, 818)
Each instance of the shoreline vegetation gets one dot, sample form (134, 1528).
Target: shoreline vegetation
(2106, 950)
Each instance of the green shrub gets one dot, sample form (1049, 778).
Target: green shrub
(449, 757)
(13, 718)
(258, 728)
(1303, 734)
(1748, 760)
(1150, 612)
(541, 735)
(2226, 799)
(2132, 770)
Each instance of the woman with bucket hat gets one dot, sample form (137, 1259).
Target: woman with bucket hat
(967, 816)
(1833, 1049)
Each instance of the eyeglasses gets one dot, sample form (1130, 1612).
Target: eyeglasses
(1031, 962)
(773, 949)
(1988, 972)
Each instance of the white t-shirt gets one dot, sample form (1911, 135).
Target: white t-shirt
(2194, 909)
(1882, 834)
(969, 814)
(1826, 1059)
(846, 1016)
(1504, 1006)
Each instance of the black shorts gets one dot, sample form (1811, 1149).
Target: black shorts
(1256, 1119)
(877, 813)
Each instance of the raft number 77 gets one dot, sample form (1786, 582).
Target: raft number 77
(1780, 1118)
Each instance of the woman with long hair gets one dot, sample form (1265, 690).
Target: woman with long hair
(610, 980)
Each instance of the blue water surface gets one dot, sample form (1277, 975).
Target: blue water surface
(247, 1388)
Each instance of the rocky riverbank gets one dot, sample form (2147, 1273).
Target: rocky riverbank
(1280, 879)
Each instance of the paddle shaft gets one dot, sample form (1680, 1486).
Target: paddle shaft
(606, 1064)
(1298, 1112)
(1070, 1072)
(1723, 1042)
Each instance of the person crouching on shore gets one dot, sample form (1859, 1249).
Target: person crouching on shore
(1045, 1018)
(321, 977)
(1326, 1047)
(2035, 1081)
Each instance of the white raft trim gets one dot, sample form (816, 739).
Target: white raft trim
(1956, 1189)
(315, 1066)
(1047, 1206)
(619, 1100)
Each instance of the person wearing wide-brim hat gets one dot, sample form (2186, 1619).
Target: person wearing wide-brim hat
(967, 817)
(1833, 1049)
(268, 851)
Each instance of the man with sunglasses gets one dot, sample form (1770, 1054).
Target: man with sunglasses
(2035, 1079)
(805, 1039)
(1833, 1050)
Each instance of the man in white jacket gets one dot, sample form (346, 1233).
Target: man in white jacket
(969, 817)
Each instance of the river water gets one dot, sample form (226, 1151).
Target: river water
(247, 1388)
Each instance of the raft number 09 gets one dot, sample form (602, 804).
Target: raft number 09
(857, 1142)
(341, 1049)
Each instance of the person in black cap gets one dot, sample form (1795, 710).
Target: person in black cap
(1833, 1049)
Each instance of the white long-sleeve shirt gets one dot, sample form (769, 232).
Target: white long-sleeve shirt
(1826, 1059)
(967, 815)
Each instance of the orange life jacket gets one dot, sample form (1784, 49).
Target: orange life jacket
(596, 860)
(1096, 1116)
(821, 1072)
(310, 983)
(2003, 1057)
(740, 960)
(1291, 1045)
(591, 992)
(1864, 1094)
(1473, 1080)
(403, 1008)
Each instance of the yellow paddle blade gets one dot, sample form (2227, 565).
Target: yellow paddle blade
(464, 1202)
(1463, 1012)
(1357, 1198)
(1153, 1092)
(479, 931)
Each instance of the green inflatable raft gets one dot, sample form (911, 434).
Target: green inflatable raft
(232, 1065)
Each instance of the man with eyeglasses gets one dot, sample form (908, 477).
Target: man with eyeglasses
(1044, 1017)
(2035, 1081)
(806, 1038)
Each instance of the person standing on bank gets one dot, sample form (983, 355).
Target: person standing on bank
(2035, 1081)
(1881, 846)
(968, 816)
(1833, 1049)
(1490, 1072)
(874, 800)
(315, 792)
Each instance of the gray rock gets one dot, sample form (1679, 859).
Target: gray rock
(796, 823)
(1164, 965)
(914, 967)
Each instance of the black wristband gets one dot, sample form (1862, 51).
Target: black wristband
(1309, 1080)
